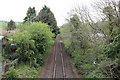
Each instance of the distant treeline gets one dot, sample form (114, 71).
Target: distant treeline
(8, 21)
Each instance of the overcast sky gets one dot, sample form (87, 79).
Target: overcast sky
(16, 9)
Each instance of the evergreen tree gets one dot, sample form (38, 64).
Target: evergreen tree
(11, 25)
(30, 15)
(47, 16)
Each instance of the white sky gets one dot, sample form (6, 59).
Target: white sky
(16, 9)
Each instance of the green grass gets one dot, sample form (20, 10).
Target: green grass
(3, 23)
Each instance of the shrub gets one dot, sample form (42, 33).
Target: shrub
(33, 42)
(25, 71)
(11, 74)
(95, 74)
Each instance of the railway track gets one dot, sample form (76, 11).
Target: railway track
(59, 71)
(58, 64)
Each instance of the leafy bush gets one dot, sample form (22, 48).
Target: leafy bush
(78, 60)
(95, 74)
(33, 42)
(21, 71)
(25, 71)
(11, 74)
(112, 50)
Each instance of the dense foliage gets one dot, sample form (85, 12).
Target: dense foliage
(94, 47)
(33, 41)
(21, 71)
(30, 15)
(46, 16)
(11, 25)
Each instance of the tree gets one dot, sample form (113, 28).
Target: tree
(119, 13)
(109, 12)
(75, 21)
(95, 41)
(11, 25)
(110, 9)
(46, 16)
(33, 41)
(30, 15)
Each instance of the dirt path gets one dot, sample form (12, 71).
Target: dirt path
(58, 64)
